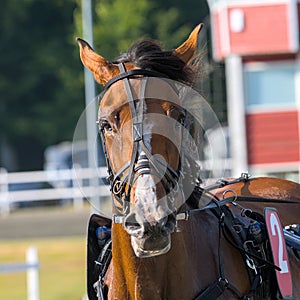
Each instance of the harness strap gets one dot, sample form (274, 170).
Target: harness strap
(245, 252)
(136, 131)
(229, 200)
(217, 288)
(244, 178)
(132, 73)
(103, 263)
(254, 277)
(222, 182)
(257, 199)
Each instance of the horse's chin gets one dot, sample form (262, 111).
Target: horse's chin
(150, 246)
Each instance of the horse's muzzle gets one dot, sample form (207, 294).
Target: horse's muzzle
(150, 239)
(147, 239)
(151, 220)
(152, 245)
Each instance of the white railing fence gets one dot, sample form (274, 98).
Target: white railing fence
(31, 266)
(77, 184)
(65, 184)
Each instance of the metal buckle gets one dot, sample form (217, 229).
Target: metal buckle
(118, 219)
(184, 216)
(250, 263)
(234, 195)
(137, 132)
(245, 176)
(117, 187)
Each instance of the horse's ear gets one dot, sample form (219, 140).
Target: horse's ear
(186, 50)
(102, 69)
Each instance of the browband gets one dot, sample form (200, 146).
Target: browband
(132, 73)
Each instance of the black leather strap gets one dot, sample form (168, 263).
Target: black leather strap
(132, 73)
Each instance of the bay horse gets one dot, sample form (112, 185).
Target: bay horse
(155, 253)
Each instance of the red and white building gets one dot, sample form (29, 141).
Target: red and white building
(259, 42)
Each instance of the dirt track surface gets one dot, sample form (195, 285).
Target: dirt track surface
(47, 222)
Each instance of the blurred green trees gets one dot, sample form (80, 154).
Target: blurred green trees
(41, 77)
(40, 94)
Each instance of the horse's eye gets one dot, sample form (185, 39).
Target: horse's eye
(181, 119)
(104, 126)
(177, 115)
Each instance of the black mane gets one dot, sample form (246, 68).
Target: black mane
(149, 55)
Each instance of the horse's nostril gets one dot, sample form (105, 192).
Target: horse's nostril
(133, 227)
(130, 221)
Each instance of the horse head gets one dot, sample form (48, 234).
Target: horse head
(140, 120)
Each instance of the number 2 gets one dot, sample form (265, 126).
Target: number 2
(275, 229)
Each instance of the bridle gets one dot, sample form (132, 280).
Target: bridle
(141, 162)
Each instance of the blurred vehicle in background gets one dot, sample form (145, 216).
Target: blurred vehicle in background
(59, 157)
(68, 155)
(72, 156)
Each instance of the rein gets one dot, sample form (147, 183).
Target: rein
(185, 215)
(142, 161)
(217, 203)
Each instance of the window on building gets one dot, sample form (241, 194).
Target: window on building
(270, 85)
